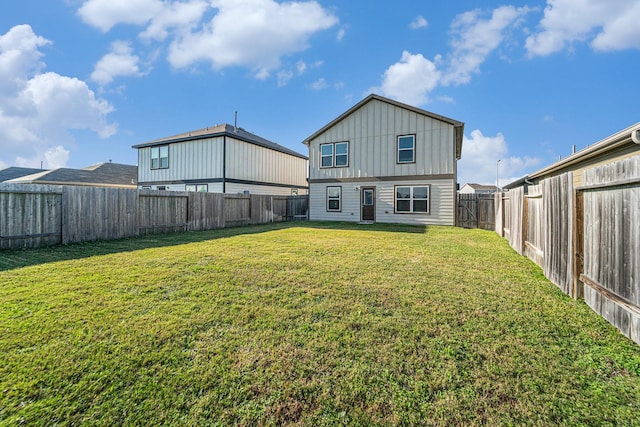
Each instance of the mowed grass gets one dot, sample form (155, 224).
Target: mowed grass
(304, 324)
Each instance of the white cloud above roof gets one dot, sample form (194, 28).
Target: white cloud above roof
(418, 22)
(119, 62)
(38, 109)
(606, 25)
(269, 31)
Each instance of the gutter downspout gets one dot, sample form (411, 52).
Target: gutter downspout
(224, 164)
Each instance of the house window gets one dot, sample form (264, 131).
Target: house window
(163, 187)
(406, 149)
(334, 199)
(146, 187)
(201, 188)
(160, 157)
(335, 154)
(414, 199)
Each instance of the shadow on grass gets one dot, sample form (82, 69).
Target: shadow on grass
(11, 259)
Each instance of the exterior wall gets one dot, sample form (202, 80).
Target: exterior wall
(442, 202)
(213, 187)
(198, 159)
(233, 188)
(372, 131)
(251, 162)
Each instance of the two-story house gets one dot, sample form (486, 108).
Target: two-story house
(221, 159)
(385, 161)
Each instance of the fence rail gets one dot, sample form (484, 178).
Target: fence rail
(40, 215)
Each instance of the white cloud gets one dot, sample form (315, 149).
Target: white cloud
(183, 16)
(319, 84)
(418, 22)
(607, 25)
(119, 62)
(105, 14)
(479, 162)
(38, 109)
(341, 33)
(301, 67)
(475, 38)
(252, 33)
(410, 80)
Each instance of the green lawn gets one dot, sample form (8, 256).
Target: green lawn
(305, 324)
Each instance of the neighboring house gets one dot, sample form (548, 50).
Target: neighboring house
(478, 189)
(16, 172)
(99, 175)
(385, 161)
(221, 159)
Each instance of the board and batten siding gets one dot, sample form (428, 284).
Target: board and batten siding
(442, 202)
(197, 159)
(233, 188)
(372, 131)
(252, 162)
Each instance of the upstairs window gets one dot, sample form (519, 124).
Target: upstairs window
(160, 157)
(412, 199)
(406, 149)
(335, 154)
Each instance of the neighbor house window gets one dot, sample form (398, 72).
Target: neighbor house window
(162, 187)
(160, 157)
(406, 149)
(334, 199)
(335, 154)
(201, 188)
(414, 199)
(146, 187)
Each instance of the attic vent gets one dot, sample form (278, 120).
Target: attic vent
(635, 136)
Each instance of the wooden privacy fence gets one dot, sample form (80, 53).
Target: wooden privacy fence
(476, 211)
(586, 239)
(39, 215)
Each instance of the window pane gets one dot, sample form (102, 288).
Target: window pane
(326, 150)
(419, 205)
(342, 148)
(403, 192)
(403, 205)
(405, 156)
(420, 192)
(368, 197)
(164, 151)
(203, 188)
(334, 205)
(155, 152)
(155, 162)
(190, 187)
(326, 162)
(164, 162)
(341, 160)
(405, 142)
(333, 191)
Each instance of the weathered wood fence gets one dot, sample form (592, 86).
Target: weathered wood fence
(39, 215)
(476, 211)
(586, 239)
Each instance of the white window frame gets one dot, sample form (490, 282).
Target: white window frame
(334, 157)
(412, 199)
(334, 198)
(200, 188)
(412, 149)
(160, 157)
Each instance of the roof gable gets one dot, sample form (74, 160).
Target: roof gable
(458, 126)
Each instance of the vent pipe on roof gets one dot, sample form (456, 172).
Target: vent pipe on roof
(235, 123)
(635, 136)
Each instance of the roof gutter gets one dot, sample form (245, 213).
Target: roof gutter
(630, 134)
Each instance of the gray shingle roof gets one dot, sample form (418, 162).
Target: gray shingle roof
(220, 130)
(100, 174)
(16, 172)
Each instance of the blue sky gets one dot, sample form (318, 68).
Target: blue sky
(81, 81)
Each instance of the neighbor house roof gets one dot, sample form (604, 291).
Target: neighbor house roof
(481, 187)
(222, 130)
(618, 140)
(458, 126)
(16, 172)
(101, 174)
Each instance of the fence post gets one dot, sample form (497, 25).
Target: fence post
(578, 244)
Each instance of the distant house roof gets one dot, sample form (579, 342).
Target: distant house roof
(222, 130)
(481, 187)
(16, 172)
(458, 126)
(101, 174)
